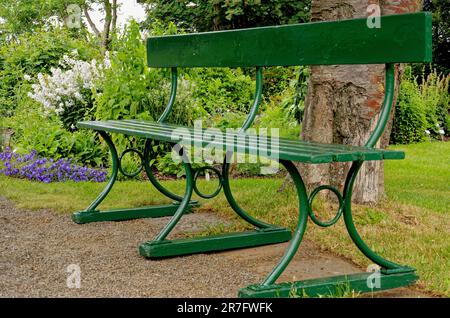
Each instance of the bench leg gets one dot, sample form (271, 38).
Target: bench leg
(154, 211)
(91, 214)
(235, 206)
(263, 235)
(390, 276)
(149, 172)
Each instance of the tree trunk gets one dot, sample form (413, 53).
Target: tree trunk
(115, 8)
(107, 27)
(344, 102)
(110, 23)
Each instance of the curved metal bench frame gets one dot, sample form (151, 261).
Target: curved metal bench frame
(158, 247)
(391, 275)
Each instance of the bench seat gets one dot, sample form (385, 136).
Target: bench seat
(287, 149)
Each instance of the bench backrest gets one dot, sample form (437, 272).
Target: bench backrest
(401, 38)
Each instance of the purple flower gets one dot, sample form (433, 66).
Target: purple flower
(33, 168)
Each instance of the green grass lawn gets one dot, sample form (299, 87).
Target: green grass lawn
(423, 179)
(412, 226)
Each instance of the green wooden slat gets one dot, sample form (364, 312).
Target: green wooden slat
(341, 152)
(214, 243)
(295, 150)
(393, 154)
(301, 157)
(401, 38)
(289, 144)
(313, 155)
(292, 147)
(329, 286)
(161, 132)
(118, 127)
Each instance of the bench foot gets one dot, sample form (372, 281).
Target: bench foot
(166, 248)
(332, 286)
(156, 211)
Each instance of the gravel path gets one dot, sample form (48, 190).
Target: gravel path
(37, 246)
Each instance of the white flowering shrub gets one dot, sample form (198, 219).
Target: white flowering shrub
(67, 90)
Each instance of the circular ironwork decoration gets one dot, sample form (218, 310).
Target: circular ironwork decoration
(219, 188)
(134, 173)
(338, 214)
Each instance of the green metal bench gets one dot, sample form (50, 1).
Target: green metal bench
(401, 39)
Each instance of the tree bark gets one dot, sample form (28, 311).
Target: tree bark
(107, 27)
(114, 16)
(110, 23)
(89, 20)
(344, 102)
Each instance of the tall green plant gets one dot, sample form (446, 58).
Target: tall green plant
(435, 93)
(34, 131)
(131, 90)
(221, 90)
(422, 109)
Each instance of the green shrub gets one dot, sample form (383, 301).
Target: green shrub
(410, 121)
(131, 90)
(34, 131)
(221, 90)
(229, 120)
(435, 93)
(30, 55)
(421, 110)
(279, 111)
(167, 166)
(21, 61)
(277, 79)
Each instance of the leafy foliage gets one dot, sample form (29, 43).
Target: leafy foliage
(277, 115)
(207, 15)
(220, 90)
(34, 131)
(23, 16)
(422, 109)
(166, 166)
(441, 35)
(130, 90)
(30, 55)
(21, 61)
